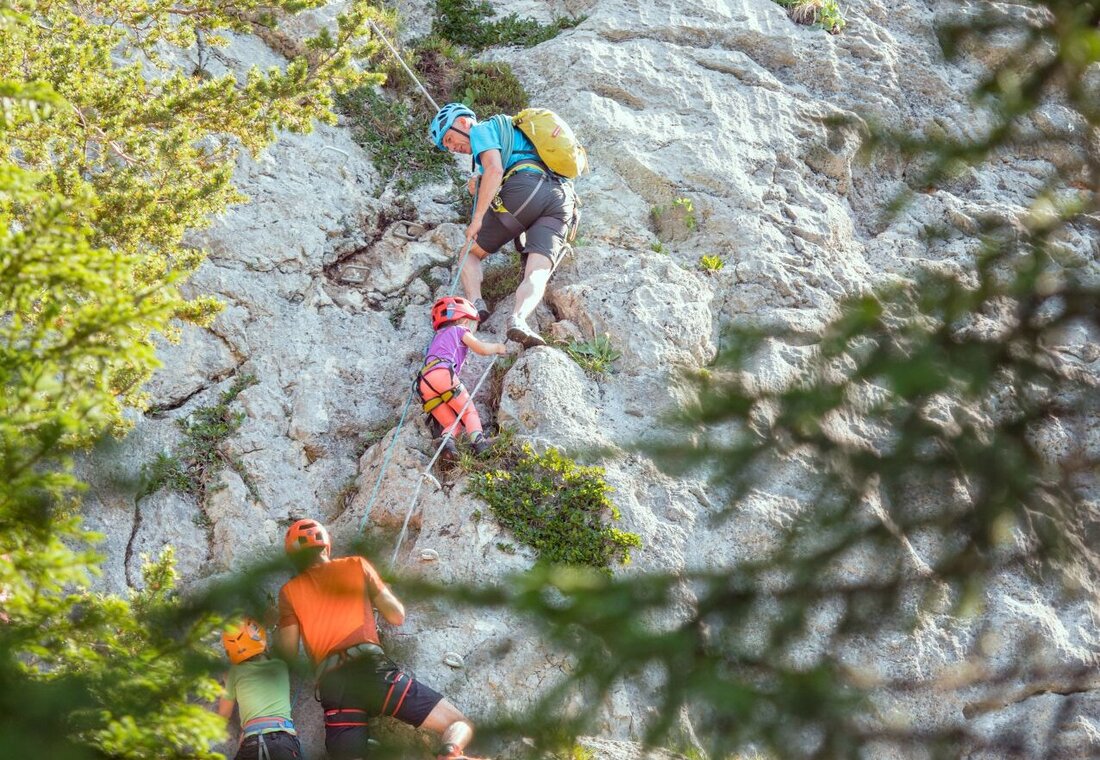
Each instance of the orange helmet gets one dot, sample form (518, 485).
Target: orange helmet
(244, 639)
(307, 534)
(450, 308)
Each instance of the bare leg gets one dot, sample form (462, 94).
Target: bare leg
(471, 273)
(446, 720)
(533, 288)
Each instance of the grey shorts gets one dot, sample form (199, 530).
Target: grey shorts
(546, 218)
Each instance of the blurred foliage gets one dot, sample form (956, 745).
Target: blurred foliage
(109, 152)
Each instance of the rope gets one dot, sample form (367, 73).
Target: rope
(401, 422)
(385, 463)
(426, 475)
(461, 261)
(404, 65)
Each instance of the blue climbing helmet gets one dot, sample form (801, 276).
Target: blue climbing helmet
(443, 120)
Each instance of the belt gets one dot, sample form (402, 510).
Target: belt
(267, 725)
(523, 166)
(340, 657)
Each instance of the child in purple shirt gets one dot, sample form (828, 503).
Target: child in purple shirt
(442, 393)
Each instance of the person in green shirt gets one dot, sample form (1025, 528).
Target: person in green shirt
(261, 686)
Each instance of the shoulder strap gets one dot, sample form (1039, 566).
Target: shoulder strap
(507, 137)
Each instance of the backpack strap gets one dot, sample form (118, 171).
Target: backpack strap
(507, 137)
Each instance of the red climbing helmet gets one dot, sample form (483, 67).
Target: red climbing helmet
(244, 639)
(307, 534)
(450, 308)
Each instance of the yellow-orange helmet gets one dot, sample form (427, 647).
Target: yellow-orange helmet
(244, 639)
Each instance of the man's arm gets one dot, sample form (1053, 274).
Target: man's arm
(492, 173)
(286, 642)
(390, 606)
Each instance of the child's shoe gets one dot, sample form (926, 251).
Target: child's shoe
(449, 452)
(481, 443)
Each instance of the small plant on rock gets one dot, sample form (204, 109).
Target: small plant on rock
(394, 136)
(688, 210)
(490, 88)
(200, 457)
(711, 263)
(594, 356)
(824, 14)
(556, 507)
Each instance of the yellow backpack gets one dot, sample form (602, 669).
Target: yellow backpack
(554, 140)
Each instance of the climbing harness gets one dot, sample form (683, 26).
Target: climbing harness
(441, 396)
(260, 727)
(345, 717)
(336, 659)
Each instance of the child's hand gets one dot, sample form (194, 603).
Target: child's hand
(502, 350)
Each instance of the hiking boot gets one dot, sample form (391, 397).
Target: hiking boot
(482, 309)
(449, 452)
(522, 334)
(481, 444)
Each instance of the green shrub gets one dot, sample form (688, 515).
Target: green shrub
(395, 136)
(490, 88)
(556, 507)
(500, 280)
(594, 356)
(467, 23)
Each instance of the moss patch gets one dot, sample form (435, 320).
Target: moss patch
(556, 507)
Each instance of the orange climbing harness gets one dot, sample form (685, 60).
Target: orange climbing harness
(441, 396)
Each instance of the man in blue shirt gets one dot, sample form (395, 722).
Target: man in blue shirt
(516, 197)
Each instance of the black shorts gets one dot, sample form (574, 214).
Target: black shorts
(546, 218)
(279, 744)
(363, 689)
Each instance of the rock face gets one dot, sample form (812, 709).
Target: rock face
(705, 123)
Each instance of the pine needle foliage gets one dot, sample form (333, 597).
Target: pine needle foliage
(108, 153)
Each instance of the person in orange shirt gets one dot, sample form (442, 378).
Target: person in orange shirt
(328, 606)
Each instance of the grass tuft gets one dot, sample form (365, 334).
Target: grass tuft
(594, 356)
(711, 263)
